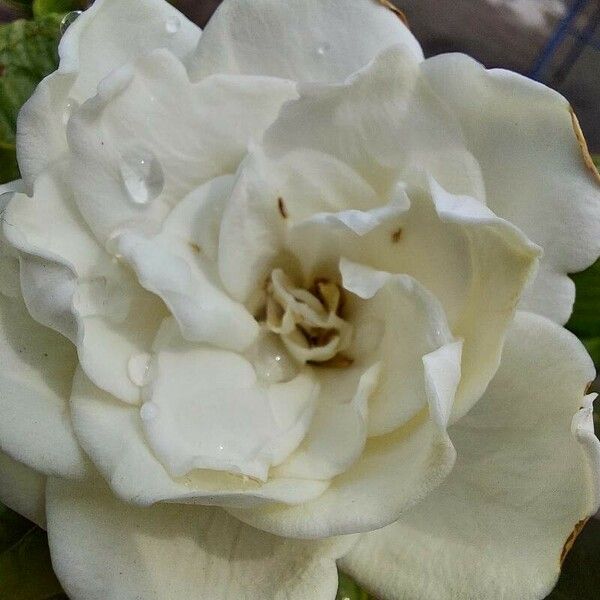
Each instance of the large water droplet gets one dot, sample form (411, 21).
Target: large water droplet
(138, 369)
(149, 411)
(173, 25)
(272, 362)
(142, 176)
(68, 20)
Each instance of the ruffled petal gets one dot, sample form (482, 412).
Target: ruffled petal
(526, 479)
(112, 435)
(108, 35)
(537, 172)
(301, 40)
(35, 383)
(103, 549)
(150, 136)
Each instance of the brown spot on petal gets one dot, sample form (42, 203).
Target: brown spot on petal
(195, 248)
(571, 539)
(339, 361)
(395, 10)
(587, 158)
(397, 235)
(282, 208)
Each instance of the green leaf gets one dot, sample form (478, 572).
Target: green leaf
(42, 8)
(585, 321)
(348, 590)
(25, 568)
(28, 52)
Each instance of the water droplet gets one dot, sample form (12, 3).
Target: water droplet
(272, 362)
(173, 25)
(323, 49)
(138, 368)
(70, 106)
(68, 20)
(149, 411)
(142, 176)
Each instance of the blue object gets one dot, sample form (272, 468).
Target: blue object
(563, 29)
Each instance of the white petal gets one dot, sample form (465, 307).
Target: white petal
(150, 137)
(35, 382)
(173, 265)
(23, 490)
(413, 325)
(205, 409)
(385, 122)
(269, 196)
(501, 523)
(103, 549)
(302, 40)
(108, 35)
(112, 435)
(535, 175)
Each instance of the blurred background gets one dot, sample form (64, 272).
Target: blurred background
(556, 42)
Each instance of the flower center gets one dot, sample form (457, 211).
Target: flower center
(309, 321)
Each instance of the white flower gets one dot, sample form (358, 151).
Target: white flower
(269, 281)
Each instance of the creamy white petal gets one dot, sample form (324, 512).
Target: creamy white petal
(475, 263)
(23, 490)
(385, 122)
(302, 40)
(206, 409)
(150, 136)
(269, 196)
(103, 38)
(412, 325)
(173, 265)
(112, 435)
(501, 523)
(537, 172)
(103, 549)
(35, 383)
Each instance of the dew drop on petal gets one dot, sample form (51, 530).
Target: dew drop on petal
(142, 176)
(272, 362)
(138, 368)
(173, 25)
(323, 49)
(70, 106)
(68, 20)
(149, 411)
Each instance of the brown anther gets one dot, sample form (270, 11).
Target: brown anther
(397, 235)
(282, 208)
(339, 361)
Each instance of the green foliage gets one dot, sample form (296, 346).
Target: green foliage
(25, 568)
(41, 8)
(348, 590)
(28, 52)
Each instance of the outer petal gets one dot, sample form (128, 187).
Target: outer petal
(150, 136)
(500, 525)
(302, 40)
(529, 147)
(72, 285)
(23, 489)
(386, 122)
(103, 549)
(108, 35)
(35, 382)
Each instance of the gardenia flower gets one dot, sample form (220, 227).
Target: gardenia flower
(286, 294)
